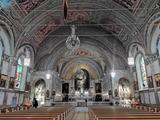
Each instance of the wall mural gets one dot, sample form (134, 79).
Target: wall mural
(28, 5)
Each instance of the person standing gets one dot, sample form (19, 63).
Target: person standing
(35, 103)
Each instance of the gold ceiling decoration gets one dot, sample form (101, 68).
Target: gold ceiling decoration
(69, 73)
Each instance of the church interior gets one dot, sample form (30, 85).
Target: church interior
(79, 59)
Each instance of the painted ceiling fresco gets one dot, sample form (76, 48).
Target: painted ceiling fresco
(28, 5)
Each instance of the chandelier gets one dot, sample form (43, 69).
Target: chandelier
(73, 41)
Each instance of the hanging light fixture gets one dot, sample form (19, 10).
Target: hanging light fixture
(113, 74)
(48, 75)
(130, 61)
(73, 41)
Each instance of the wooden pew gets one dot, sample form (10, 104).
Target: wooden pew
(28, 118)
(102, 113)
(46, 113)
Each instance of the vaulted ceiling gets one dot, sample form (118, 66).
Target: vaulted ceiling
(105, 28)
(122, 18)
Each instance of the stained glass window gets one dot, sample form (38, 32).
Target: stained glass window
(143, 72)
(19, 73)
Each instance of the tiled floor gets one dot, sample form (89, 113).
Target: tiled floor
(81, 116)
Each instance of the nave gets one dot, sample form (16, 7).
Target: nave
(96, 112)
(79, 59)
(81, 116)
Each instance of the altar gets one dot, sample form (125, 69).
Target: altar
(81, 103)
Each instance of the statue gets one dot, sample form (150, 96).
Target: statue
(80, 80)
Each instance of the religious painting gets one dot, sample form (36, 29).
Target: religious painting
(65, 88)
(157, 79)
(65, 91)
(150, 81)
(3, 80)
(2, 83)
(28, 86)
(11, 83)
(98, 88)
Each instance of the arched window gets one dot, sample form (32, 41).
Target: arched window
(143, 72)
(19, 73)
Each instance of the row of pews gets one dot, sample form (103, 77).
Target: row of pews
(5, 109)
(42, 113)
(152, 108)
(120, 113)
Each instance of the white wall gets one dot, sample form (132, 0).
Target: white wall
(1, 97)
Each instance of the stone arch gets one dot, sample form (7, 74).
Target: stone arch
(7, 36)
(151, 32)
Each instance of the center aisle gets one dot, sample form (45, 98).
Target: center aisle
(81, 116)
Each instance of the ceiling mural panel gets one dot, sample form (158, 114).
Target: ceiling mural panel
(111, 26)
(28, 5)
(45, 28)
(80, 16)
